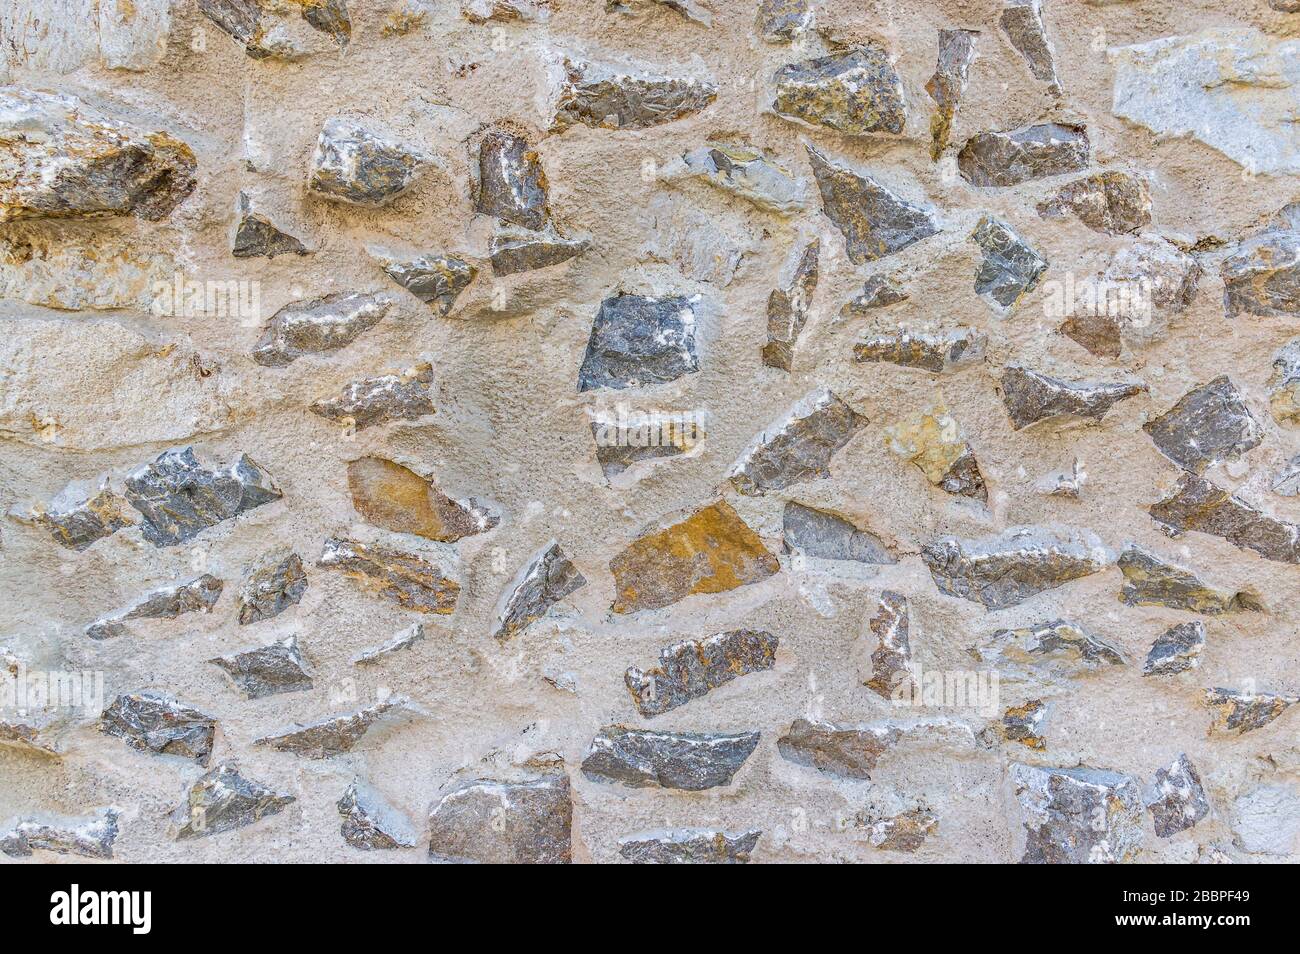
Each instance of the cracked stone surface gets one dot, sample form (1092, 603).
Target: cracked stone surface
(1078, 815)
(903, 833)
(1176, 650)
(852, 752)
(932, 441)
(267, 670)
(256, 234)
(488, 821)
(511, 181)
(1177, 801)
(152, 722)
(516, 250)
(548, 578)
(688, 761)
(799, 447)
(690, 847)
(1003, 159)
(637, 340)
(1114, 203)
(744, 172)
(855, 93)
(891, 660)
(1022, 22)
(690, 669)
(878, 291)
(1009, 268)
(1031, 396)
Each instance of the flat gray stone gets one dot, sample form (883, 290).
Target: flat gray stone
(688, 761)
(548, 578)
(319, 326)
(223, 800)
(1009, 268)
(88, 836)
(787, 310)
(1003, 159)
(370, 823)
(690, 846)
(354, 165)
(637, 341)
(614, 97)
(267, 670)
(336, 735)
(1209, 425)
(404, 639)
(152, 722)
(799, 447)
(878, 291)
(437, 280)
(1151, 581)
(405, 396)
(1177, 801)
(851, 752)
(1177, 649)
(1078, 815)
(825, 536)
(256, 235)
(1196, 504)
(192, 596)
(1031, 397)
(511, 183)
(513, 250)
(489, 821)
(690, 669)
(270, 587)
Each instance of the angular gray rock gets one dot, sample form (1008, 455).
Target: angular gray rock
(616, 97)
(874, 220)
(856, 92)
(1151, 581)
(1176, 800)
(1176, 650)
(548, 578)
(511, 182)
(688, 761)
(1009, 568)
(1022, 155)
(257, 235)
(780, 21)
(336, 735)
(179, 498)
(405, 396)
(938, 352)
(223, 800)
(1241, 712)
(637, 341)
(1114, 203)
(354, 165)
(513, 250)
(690, 669)
(1209, 425)
(824, 536)
(1031, 397)
(956, 54)
(1022, 22)
(192, 596)
(1262, 276)
(1078, 815)
(1009, 268)
(787, 310)
(89, 836)
(1287, 481)
(891, 660)
(489, 821)
(270, 587)
(152, 722)
(77, 522)
(1058, 647)
(65, 159)
(1197, 504)
(690, 846)
(1284, 385)
(904, 833)
(625, 440)
(852, 752)
(403, 640)
(436, 280)
(878, 291)
(318, 326)
(404, 578)
(369, 823)
(799, 447)
(263, 27)
(267, 670)
(742, 171)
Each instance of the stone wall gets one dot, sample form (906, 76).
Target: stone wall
(654, 430)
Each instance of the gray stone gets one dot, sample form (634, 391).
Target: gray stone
(688, 761)
(1197, 504)
(1113, 203)
(1209, 425)
(548, 578)
(179, 498)
(511, 182)
(318, 326)
(874, 220)
(687, 8)
(1023, 724)
(1009, 268)
(267, 670)
(152, 722)
(1241, 712)
(787, 310)
(405, 396)
(487, 821)
(1151, 581)
(65, 159)
(354, 165)
(903, 833)
(271, 586)
(690, 669)
(192, 596)
(956, 54)
(637, 341)
(77, 522)
(744, 172)
(1058, 647)
(369, 823)
(515, 250)
(1025, 154)
(436, 280)
(938, 352)
(799, 447)
(1262, 276)
(1022, 22)
(1176, 650)
(825, 536)
(89, 836)
(1078, 815)
(852, 752)
(878, 291)
(857, 92)
(265, 31)
(402, 640)
(1287, 481)
(336, 735)
(780, 21)
(1009, 568)
(1177, 800)
(397, 575)
(255, 235)
(223, 800)
(690, 846)
(1031, 397)
(1284, 385)
(891, 660)
(613, 97)
(624, 440)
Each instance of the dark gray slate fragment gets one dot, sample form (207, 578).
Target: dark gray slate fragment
(878, 291)
(875, 221)
(1262, 276)
(90, 836)
(152, 722)
(1197, 504)
(267, 670)
(956, 54)
(610, 98)
(1078, 815)
(319, 326)
(787, 310)
(515, 250)
(844, 751)
(1114, 203)
(892, 658)
(1176, 650)
(1022, 22)
(1150, 581)
(1025, 154)
(856, 92)
(691, 846)
(338, 734)
(404, 578)
(780, 21)
(511, 183)
(799, 447)
(179, 498)
(548, 578)
(436, 280)
(255, 235)
(369, 823)
(825, 536)
(407, 396)
(1007, 569)
(273, 585)
(1177, 800)
(689, 761)
(353, 165)
(489, 821)
(690, 669)
(1031, 397)
(637, 341)
(1209, 424)
(223, 800)
(1242, 712)
(1009, 268)
(79, 524)
(200, 593)
(929, 352)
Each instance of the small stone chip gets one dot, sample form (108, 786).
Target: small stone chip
(798, 447)
(1009, 268)
(1177, 800)
(223, 800)
(1176, 650)
(787, 310)
(1113, 203)
(891, 660)
(319, 326)
(339, 734)
(255, 235)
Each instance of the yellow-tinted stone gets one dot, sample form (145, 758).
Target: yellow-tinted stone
(398, 499)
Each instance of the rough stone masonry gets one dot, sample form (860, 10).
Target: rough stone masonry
(649, 431)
